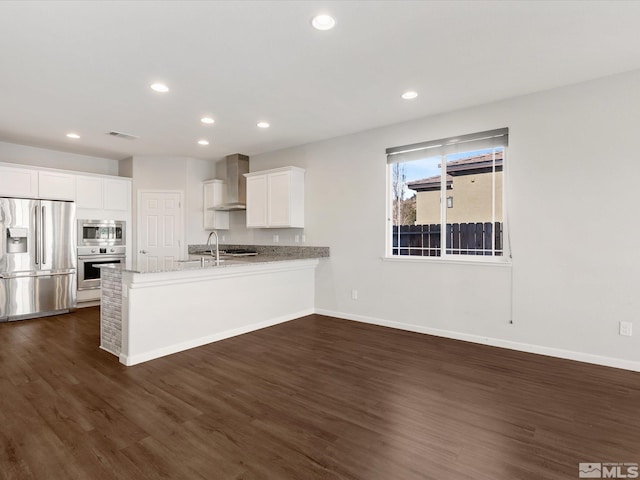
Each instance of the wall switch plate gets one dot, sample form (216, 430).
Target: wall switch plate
(304, 238)
(276, 238)
(354, 294)
(224, 238)
(626, 329)
(297, 238)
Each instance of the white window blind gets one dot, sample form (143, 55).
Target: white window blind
(447, 146)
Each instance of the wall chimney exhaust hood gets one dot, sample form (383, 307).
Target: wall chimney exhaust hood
(237, 166)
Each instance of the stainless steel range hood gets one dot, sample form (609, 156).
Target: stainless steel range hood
(237, 166)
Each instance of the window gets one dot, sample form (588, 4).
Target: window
(425, 178)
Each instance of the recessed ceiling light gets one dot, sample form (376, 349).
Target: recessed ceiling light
(323, 22)
(207, 120)
(159, 87)
(75, 136)
(203, 142)
(263, 125)
(409, 95)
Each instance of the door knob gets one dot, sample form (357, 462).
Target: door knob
(143, 251)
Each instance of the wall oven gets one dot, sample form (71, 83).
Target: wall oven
(90, 258)
(101, 233)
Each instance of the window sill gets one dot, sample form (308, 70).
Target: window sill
(502, 262)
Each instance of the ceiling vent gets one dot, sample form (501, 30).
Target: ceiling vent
(122, 135)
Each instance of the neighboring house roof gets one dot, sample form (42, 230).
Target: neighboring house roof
(464, 166)
(479, 162)
(431, 183)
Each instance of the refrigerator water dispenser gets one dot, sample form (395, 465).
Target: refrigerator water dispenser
(17, 240)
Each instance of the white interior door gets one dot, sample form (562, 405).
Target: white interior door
(159, 229)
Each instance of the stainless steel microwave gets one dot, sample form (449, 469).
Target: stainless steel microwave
(101, 232)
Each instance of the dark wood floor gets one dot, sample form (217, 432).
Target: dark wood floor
(315, 398)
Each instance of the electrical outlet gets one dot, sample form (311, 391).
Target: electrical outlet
(297, 239)
(224, 238)
(626, 329)
(276, 238)
(354, 294)
(304, 238)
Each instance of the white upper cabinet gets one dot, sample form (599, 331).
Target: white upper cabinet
(56, 185)
(275, 198)
(97, 193)
(257, 194)
(89, 192)
(213, 194)
(116, 194)
(96, 196)
(18, 182)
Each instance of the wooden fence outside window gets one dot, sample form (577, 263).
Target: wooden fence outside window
(461, 239)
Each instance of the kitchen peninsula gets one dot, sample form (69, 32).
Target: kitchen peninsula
(147, 315)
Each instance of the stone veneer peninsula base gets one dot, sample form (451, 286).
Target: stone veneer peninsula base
(168, 312)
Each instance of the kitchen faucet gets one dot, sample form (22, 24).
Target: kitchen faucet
(213, 232)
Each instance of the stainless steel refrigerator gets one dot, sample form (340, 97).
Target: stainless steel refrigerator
(37, 258)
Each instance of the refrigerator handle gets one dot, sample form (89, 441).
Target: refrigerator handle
(44, 240)
(37, 237)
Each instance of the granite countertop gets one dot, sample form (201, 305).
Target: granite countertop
(272, 250)
(266, 254)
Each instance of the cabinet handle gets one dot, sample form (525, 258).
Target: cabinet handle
(143, 251)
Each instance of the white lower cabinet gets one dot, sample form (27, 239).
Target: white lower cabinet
(275, 198)
(88, 298)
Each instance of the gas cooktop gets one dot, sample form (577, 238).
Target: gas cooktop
(239, 252)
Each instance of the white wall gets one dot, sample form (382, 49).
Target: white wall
(176, 174)
(197, 171)
(42, 157)
(572, 199)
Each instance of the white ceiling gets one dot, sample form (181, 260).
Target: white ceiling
(87, 66)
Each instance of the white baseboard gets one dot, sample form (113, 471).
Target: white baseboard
(198, 342)
(494, 342)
